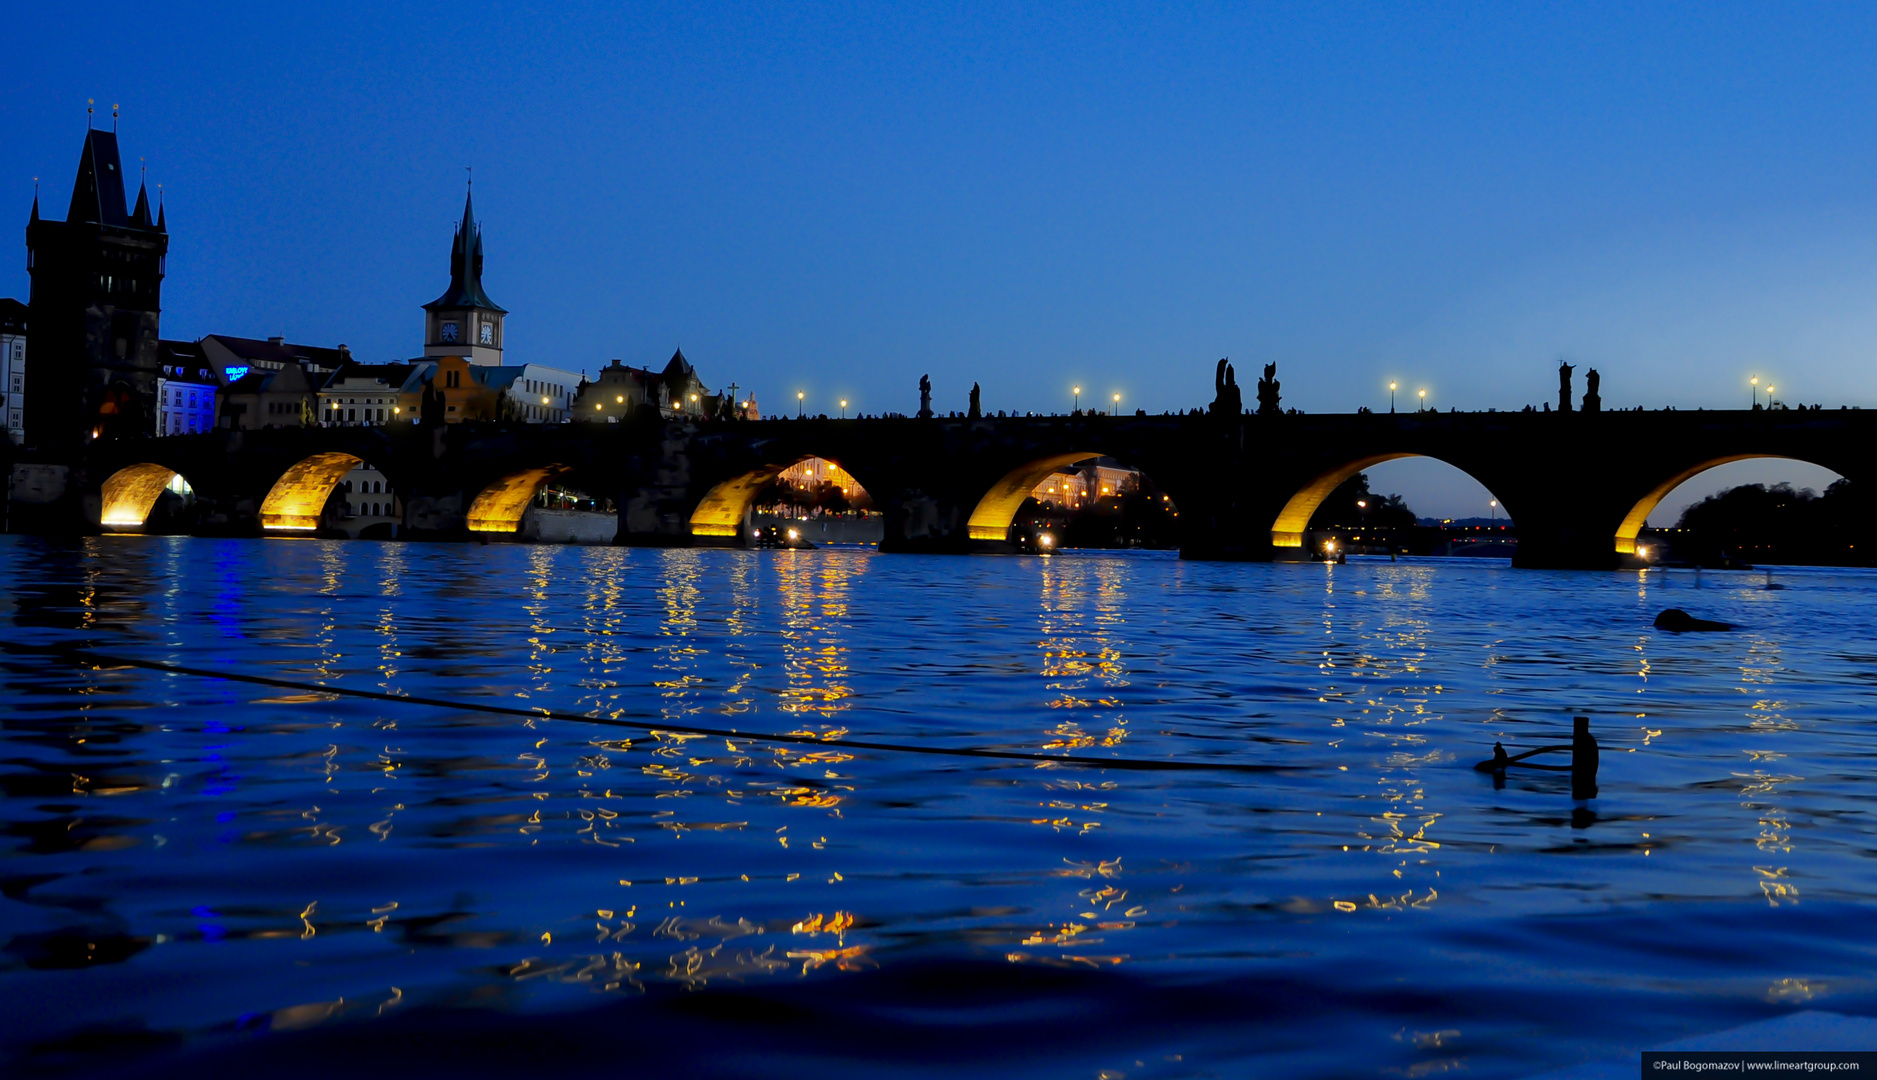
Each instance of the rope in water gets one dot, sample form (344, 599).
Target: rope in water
(89, 656)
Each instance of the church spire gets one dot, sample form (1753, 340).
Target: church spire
(162, 223)
(466, 267)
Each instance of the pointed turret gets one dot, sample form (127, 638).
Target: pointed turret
(35, 216)
(466, 268)
(678, 367)
(162, 223)
(140, 217)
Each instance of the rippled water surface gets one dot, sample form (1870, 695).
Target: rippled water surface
(203, 875)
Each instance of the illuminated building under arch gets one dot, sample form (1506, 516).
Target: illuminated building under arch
(991, 518)
(721, 511)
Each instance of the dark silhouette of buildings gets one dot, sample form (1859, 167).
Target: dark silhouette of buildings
(97, 282)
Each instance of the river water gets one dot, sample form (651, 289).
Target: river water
(203, 876)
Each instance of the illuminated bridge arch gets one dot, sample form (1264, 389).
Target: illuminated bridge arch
(1638, 515)
(297, 499)
(991, 518)
(500, 507)
(1292, 521)
(131, 492)
(721, 511)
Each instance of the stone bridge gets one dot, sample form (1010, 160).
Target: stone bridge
(1579, 485)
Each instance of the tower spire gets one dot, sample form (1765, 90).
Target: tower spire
(162, 225)
(140, 217)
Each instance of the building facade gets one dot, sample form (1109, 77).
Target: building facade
(363, 504)
(97, 282)
(676, 392)
(187, 391)
(288, 397)
(13, 369)
(364, 395)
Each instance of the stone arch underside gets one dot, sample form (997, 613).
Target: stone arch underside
(1287, 531)
(131, 492)
(296, 500)
(720, 512)
(499, 507)
(991, 518)
(1638, 515)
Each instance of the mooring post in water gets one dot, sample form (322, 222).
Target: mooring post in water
(1583, 766)
(1584, 759)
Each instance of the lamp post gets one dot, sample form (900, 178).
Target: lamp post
(1494, 505)
(1769, 395)
(798, 404)
(1423, 401)
(843, 408)
(1117, 403)
(1755, 383)
(1391, 397)
(1078, 399)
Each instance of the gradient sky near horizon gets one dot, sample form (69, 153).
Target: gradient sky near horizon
(838, 198)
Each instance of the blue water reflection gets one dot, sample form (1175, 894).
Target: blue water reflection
(201, 871)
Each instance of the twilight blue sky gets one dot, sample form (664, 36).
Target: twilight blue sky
(838, 198)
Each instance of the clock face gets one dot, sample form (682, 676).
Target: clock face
(488, 334)
(449, 331)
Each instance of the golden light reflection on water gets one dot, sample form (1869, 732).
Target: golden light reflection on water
(776, 637)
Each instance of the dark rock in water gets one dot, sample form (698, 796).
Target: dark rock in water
(1677, 621)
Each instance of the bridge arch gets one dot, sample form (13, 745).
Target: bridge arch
(500, 506)
(1287, 531)
(297, 499)
(1638, 516)
(130, 493)
(997, 508)
(721, 512)
(995, 512)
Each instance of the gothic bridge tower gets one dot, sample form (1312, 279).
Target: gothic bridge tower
(464, 321)
(97, 281)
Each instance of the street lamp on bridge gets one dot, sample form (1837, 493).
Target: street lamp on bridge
(1391, 397)
(1423, 401)
(1755, 383)
(798, 404)
(843, 408)
(1494, 505)
(1078, 399)
(1117, 403)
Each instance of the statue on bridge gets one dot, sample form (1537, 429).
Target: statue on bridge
(1593, 401)
(975, 411)
(1564, 387)
(1267, 392)
(925, 398)
(1226, 400)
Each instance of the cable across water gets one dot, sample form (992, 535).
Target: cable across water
(90, 656)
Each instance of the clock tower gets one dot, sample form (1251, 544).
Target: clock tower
(464, 321)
